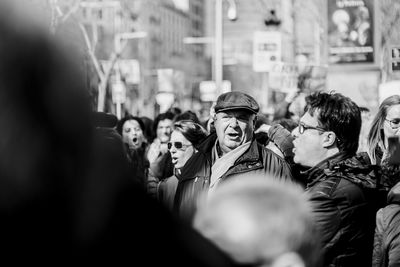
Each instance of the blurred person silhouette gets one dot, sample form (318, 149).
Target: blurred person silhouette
(365, 127)
(131, 129)
(148, 129)
(175, 110)
(260, 222)
(185, 139)
(66, 195)
(293, 103)
(160, 164)
(340, 33)
(361, 29)
(187, 115)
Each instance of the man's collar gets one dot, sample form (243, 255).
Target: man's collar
(218, 149)
(326, 164)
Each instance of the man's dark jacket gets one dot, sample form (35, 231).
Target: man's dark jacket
(343, 194)
(195, 175)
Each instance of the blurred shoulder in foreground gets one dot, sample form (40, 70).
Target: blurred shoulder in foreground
(260, 222)
(64, 190)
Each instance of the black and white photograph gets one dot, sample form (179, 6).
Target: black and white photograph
(200, 133)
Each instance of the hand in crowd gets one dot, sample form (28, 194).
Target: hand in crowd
(154, 151)
(263, 129)
(156, 148)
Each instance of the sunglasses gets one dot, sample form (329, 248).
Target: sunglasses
(177, 145)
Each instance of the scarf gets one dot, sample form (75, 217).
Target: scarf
(224, 163)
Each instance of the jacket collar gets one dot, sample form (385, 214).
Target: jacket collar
(394, 194)
(252, 154)
(353, 168)
(326, 164)
(195, 166)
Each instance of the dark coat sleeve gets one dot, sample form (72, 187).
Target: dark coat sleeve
(377, 256)
(283, 139)
(391, 234)
(326, 214)
(277, 166)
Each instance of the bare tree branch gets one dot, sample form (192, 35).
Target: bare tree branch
(71, 11)
(91, 52)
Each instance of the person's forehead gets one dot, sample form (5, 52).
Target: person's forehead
(394, 112)
(131, 123)
(310, 120)
(236, 113)
(177, 136)
(164, 123)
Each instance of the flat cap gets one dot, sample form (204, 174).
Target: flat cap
(236, 100)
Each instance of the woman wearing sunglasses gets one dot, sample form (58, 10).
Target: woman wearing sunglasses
(185, 138)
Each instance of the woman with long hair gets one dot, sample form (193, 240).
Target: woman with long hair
(132, 129)
(385, 124)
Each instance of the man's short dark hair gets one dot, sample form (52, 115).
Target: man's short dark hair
(338, 114)
(162, 116)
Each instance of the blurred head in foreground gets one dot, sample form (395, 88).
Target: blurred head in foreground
(65, 190)
(260, 222)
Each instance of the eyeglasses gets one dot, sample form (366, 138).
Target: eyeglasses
(303, 127)
(394, 124)
(177, 145)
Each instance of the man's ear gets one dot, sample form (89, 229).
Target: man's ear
(329, 139)
(288, 259)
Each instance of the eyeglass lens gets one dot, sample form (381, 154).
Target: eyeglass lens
(395, 123)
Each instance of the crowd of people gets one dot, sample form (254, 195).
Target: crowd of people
(236, 190)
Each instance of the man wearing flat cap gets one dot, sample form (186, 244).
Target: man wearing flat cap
(229, 152)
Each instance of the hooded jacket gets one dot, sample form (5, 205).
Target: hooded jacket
(195, 175)
(342, 191)
(387, 232)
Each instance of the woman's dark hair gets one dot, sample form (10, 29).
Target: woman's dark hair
(193, 132)
(148, 128)
(128, 118)
(162, 116)
(175, 110)
(338, 114)
(187, 115)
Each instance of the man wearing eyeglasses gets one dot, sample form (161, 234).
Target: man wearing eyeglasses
(341, 186)
(229, 152)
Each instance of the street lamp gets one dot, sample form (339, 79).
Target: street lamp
(232, 15)
(119, 87)
(216, 40)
